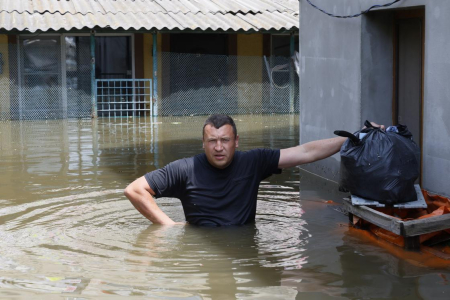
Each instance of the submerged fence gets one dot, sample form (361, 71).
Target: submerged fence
(50, 78)
(45, 77)
(194, 84)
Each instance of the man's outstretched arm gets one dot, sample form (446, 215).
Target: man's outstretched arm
(140, 195)
(312, 151)
(309, 152)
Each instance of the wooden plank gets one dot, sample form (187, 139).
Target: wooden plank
(412, 243)
(418, 227)
(358, 201)
(375, 217)
(419, 203)
(403, 228)
(436, 252)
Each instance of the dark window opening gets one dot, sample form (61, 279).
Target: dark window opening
(199, 43)
(113, 57)
(281, 45)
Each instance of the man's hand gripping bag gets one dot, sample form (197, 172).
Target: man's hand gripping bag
(381, 166)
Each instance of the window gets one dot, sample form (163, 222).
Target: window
(281, 45)
(40, 77)
(113, 57)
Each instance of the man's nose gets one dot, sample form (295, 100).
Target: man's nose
(219, 146)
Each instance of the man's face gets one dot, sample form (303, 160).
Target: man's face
(219, 145)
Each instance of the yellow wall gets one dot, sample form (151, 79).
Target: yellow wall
(148, 58)
(249, 51)
(250, 44)
(4, 79)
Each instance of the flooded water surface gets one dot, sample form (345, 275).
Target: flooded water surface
(68, 232)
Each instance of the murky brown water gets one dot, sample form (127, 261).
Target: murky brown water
(67, 231)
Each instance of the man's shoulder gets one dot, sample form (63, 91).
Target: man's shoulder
(185, 162)
(198, 158)
(258, 152)
(256, 156)
(188, 163)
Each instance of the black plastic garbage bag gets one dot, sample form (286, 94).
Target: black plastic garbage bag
(381, 166)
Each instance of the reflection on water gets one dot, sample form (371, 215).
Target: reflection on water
(68, 231)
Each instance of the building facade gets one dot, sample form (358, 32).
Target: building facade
(389, 66)
(76, 59)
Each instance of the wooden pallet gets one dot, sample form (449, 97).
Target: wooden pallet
(419, 203)
(410, 230)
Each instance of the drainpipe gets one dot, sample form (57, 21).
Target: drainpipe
(93, 86)
(155, 74)
(291, 73)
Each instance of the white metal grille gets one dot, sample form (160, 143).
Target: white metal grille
(124, 97)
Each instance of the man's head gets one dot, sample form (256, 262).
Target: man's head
(218, 121)
(220, 140)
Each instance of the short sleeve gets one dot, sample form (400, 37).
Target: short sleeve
(268, 161)
(169, 181)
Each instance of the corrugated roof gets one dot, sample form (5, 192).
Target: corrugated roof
(235, 15)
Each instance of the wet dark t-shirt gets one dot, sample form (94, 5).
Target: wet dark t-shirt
(216, 197)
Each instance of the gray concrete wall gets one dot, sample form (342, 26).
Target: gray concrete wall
(377, 67)
(436, 109)
(330, 88)
(341, 79)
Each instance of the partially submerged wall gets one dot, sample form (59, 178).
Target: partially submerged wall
(346, 77)
(249, 59)
(329, 76)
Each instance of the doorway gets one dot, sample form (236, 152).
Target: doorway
(113, 57)
(408, 86)
(114, 67)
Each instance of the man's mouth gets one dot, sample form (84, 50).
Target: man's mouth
(219, 157)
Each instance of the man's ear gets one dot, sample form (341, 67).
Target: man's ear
(203, 145)
(237, 141)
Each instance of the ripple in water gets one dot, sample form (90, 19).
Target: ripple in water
(72, 231)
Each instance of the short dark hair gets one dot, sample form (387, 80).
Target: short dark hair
(218, 121)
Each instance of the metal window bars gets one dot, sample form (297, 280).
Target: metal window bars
(124, 97)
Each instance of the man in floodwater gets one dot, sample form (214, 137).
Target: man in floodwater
(220, 187)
